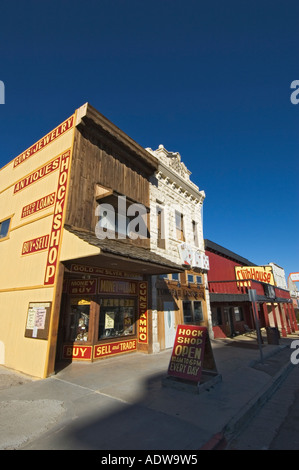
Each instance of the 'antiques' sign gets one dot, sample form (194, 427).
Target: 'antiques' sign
(186, 361)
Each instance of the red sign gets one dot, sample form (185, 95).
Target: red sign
(108, 349)
(42, 143)
(37, 175)
(36, 206)
(35, 245)
(82, 286)
(57, 222)
(77, 352)
(143, 316)
(188, 351)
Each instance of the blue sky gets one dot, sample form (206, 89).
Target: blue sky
(209, 79)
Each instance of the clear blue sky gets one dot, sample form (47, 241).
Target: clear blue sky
(209, 79)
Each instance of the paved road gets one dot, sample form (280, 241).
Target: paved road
(276, 426)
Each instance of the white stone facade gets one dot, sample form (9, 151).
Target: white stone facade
(279, 276)
(171, 191)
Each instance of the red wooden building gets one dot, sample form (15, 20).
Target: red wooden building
(230, 279)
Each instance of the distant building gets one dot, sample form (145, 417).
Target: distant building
(279, 276)
(292, 286)
(230, 278)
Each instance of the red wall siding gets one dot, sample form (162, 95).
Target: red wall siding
(221, 269)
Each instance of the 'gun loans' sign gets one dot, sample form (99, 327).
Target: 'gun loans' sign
(186, 361)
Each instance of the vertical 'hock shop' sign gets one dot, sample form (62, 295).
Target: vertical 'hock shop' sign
(188, 352)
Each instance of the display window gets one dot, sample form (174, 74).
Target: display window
(79, 320)
(117, 318)
(192, 311)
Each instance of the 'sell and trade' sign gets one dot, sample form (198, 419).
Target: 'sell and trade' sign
(188, 351)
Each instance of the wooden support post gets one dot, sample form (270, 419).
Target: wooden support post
(283, 329)
(286, 314)
(274, 315)
(267, 322)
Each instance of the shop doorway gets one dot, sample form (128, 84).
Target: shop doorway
(169, 324)
(229, 321)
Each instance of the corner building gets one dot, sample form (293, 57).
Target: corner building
(66, 293)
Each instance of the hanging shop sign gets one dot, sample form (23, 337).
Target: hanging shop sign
(37, 322)
(37, 175)
(35, 245)
(96, 271)
(77, 352)
(254, 273)
(82, 286)
(57, 223)
(186, 361)
(294, 277)
(38, 205)
(193, 257)
(143, 313)
(42, 143)
(110, 349)
(109, 286)
(180, 292)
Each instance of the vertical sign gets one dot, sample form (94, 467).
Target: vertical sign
(57, 223)
(187, 356)
(143, 315)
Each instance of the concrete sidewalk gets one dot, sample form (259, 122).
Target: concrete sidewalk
(121, 403)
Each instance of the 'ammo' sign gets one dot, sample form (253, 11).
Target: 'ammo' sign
(186, 361)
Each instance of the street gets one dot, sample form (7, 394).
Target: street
(276, 425)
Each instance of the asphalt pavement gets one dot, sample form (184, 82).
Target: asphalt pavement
(124, 403)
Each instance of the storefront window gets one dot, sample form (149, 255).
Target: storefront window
(192, 311)
(238, 313)
(117, 318)
(216, 316)
(79, 322)
(187, 311)
(198, 314)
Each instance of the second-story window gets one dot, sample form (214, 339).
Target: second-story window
(179, 225)
(160, 228)
(195, 232)
(4, 228)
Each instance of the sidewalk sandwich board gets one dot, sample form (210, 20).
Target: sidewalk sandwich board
(192, 360)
